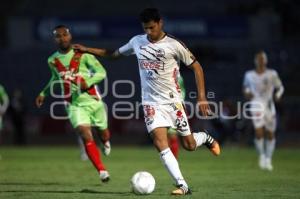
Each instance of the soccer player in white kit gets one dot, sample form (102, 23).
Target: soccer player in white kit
(159, 55)
(260, 87)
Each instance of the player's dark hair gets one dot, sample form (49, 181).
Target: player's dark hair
(60, 26)
(150, 14)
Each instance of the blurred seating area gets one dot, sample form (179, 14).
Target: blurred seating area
(223, 35)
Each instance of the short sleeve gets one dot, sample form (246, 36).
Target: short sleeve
(246, 82)
(127, 49)
(184, 54)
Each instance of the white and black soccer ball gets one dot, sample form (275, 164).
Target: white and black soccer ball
(142, 183)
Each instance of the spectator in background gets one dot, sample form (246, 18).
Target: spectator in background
(17, 111)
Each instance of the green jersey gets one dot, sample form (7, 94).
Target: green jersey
(89, 69)
(4, 101)
(3, 94)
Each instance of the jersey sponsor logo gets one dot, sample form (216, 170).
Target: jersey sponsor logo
(150, 75)
(160, 53)
(151, 64)
(69, 75)
(156, 53)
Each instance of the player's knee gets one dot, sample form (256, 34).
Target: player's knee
(105, 135)
(160, 144)
(85, 134)
(270, 135)
(259, 133)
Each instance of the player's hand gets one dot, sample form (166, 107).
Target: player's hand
(277, 99)
(204, 107)
(79, 81)
(248, 94)
(39, 101)
(80, 48)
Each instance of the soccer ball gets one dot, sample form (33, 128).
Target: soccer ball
(142, 183)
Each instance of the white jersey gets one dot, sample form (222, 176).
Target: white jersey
(262, 88)
(159, 67)
(262, 85)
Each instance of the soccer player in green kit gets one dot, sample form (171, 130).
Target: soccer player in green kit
(78, 74)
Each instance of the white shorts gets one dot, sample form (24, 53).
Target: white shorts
(167, 115)
(266, 118)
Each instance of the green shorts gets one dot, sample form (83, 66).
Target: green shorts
(94, 115)
(172, 131)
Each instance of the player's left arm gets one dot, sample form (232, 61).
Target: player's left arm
(278, 86)
(246, 87)
(199, 77)
(99, 73)
(189, 60)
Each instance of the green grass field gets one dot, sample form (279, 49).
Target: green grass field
(57, 172)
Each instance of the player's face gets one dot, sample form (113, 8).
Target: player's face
(153, 29)
(62, 38)
(261, 61)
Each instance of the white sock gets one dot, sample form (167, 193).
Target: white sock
(259, 144)
(170, 162)
(270, 146)
(200, 138)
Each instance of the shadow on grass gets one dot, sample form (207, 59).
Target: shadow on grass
(30, 183)
(88, 191)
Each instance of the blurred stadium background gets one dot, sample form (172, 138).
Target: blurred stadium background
(223, 35)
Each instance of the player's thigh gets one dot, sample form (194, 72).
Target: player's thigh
(259, 132)
(78, 116)
(85, 132)
(99, 116)
(156, 117)
(270, 126)
(258, 121)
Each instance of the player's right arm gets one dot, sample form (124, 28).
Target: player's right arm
(278, 86)
(47, 89)
(126, 50)
(246, 87)
(101, 52)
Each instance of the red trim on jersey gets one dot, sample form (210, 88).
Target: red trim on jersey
(176, 80)
(74, 66)
(79, 81)
(75, 61)
(93, 92)
(67, 83)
